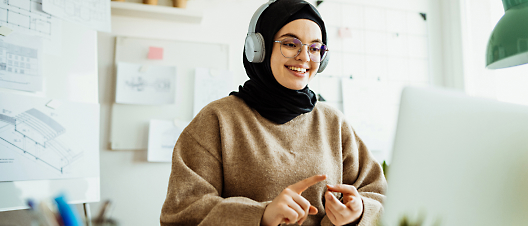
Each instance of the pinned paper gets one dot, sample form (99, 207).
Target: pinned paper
(143, 68)
(162, 137)
(5, 31)
(155, 53)
(155, 85)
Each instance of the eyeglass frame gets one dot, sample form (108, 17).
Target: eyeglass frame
(300, 49)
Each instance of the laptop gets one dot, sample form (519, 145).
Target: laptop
(457, 160)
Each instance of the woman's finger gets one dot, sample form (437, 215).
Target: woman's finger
(303, 203)
(343, 188)
(330, 214)
(300, 186)
(313, 210)
(331, 200)
(354, 204)
(289, 215)
(347, 198)
(298, 210)
(336, 210)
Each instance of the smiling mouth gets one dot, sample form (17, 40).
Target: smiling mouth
(298, 69)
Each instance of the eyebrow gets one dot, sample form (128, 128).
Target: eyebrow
(295, 36)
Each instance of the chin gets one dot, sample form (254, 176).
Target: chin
(296, 86)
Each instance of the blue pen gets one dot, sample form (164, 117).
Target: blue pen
(69, 217)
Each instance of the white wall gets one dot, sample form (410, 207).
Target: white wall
(137, 187)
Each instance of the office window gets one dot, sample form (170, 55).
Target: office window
(507, 84)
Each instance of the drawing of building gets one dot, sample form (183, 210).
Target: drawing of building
(36, 136)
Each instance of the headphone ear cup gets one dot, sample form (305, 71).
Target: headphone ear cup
(254, 48)
(323, 63)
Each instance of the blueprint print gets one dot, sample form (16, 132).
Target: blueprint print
(20, 63)
(27, 17)
(94, 14)
(149, 85)
(38, 142)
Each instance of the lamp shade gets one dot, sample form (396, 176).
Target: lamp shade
(508, 43)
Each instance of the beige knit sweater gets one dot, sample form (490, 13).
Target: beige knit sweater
(230, 162)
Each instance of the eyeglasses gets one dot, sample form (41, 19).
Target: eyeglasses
(291, 47)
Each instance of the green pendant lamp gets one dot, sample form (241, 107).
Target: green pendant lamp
(508, 44)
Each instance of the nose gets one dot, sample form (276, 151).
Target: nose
(303, 54)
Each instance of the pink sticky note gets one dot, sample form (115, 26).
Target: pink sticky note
(345, 32)
(155, 53)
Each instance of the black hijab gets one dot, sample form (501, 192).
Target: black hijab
(262, 91)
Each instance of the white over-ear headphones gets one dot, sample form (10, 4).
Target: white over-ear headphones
(255, 48)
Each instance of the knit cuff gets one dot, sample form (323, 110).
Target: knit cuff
(371, 212)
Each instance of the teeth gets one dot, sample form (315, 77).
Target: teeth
(302, 70)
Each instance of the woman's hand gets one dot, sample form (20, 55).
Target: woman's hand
(348, 211)
(289, 206)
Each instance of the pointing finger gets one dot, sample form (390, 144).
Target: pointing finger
(300, 186)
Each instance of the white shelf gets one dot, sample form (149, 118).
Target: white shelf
(138, 10)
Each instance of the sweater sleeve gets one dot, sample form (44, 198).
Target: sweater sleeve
(361, 170)
(195, 189)
(370, 182)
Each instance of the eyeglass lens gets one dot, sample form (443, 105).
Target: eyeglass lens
(291, 47)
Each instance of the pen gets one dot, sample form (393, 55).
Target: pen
(69, 218)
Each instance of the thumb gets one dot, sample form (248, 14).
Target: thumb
(312, 210)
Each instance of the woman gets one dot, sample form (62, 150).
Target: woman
(270, 153)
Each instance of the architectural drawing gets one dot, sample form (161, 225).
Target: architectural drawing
(34, 135)
(19, 66)
(38, 142)
(94, 14)
(27, 16)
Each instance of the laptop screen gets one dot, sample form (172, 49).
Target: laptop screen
(458, 160)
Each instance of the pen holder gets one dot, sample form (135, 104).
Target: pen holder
(106, 222)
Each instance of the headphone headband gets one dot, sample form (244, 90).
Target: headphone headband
(256, 15)
(254, 47)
